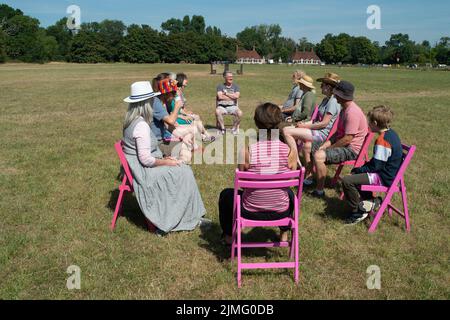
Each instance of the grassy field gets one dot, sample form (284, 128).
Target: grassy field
(58, 124)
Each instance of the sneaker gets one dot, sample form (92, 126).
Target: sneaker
(318, 194)
(371, 205)
(356, 218)
(221, 132)
(209, 139)
(235, 132)
(308, 182)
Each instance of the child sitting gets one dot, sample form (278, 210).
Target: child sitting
(268, 156)
(380, 170)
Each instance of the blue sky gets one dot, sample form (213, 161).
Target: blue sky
(422, 20)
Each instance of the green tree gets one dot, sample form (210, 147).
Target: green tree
(362, 50)
(399, 49)
(112, 33)
(172, 26)
(88, 46)
(442, 51)
(140, 45)
(63, 37)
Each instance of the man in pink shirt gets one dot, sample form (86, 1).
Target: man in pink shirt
(346, 144)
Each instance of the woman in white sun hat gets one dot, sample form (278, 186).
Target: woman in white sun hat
(165, 188)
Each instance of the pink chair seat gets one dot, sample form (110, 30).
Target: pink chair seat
(287, 222)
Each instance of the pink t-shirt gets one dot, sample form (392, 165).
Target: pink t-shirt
(353, 122)
(267, 157)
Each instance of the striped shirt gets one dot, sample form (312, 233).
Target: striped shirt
(267, 157)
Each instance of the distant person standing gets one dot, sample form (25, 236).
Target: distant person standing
(227, 98)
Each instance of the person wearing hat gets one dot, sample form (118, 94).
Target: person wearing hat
(346, 144)
(294, 96)
(303, 110)
(165, 188)
(169, 117)
(319, 130)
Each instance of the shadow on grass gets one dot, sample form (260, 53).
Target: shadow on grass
(130, 209)
(214, 243)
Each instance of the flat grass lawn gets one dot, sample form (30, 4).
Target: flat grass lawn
(58, 125)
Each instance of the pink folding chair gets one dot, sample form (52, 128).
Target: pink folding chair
(244, 180)
(362, 158)
(315, 113)
(126, 186)
(398, 186)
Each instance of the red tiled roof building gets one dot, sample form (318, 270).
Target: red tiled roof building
(248, 57)
(305, 57)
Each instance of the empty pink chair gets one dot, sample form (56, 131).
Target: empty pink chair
(126, 186)
(398, 186)
(244, 180)
(362, 158)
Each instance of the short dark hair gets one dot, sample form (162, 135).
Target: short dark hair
(383, 115)
(180, 79)
(268, 116)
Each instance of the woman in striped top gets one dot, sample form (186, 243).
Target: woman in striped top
(269, 155)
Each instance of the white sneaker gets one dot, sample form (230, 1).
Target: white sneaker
(235, 132)
(370, 205)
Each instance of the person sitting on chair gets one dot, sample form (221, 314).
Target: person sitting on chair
(165, 188)
(294, 96)
(227, 98)
(346, 144)
(319, 129)
(380, 171)
(185, 116)
(264, 204)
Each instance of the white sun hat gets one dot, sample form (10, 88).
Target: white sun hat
(141, 91)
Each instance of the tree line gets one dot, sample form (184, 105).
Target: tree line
(190, 40)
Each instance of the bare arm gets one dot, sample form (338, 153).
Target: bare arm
(344, 141)
(244, 160)
(292, 159)
(172, 118)
(318, 125)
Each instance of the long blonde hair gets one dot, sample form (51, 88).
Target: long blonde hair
(138, 109)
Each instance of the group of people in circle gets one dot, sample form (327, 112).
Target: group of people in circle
(159, 136)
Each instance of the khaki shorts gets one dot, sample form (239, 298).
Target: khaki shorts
(231, 110)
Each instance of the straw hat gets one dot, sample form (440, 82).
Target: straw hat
(141, 91)
(330, 78)
(307, 81)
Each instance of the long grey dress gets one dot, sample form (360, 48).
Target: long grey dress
(168, 196)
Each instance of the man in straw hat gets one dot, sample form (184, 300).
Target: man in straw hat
(346, 144)
(303, 110)
(316, 132)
